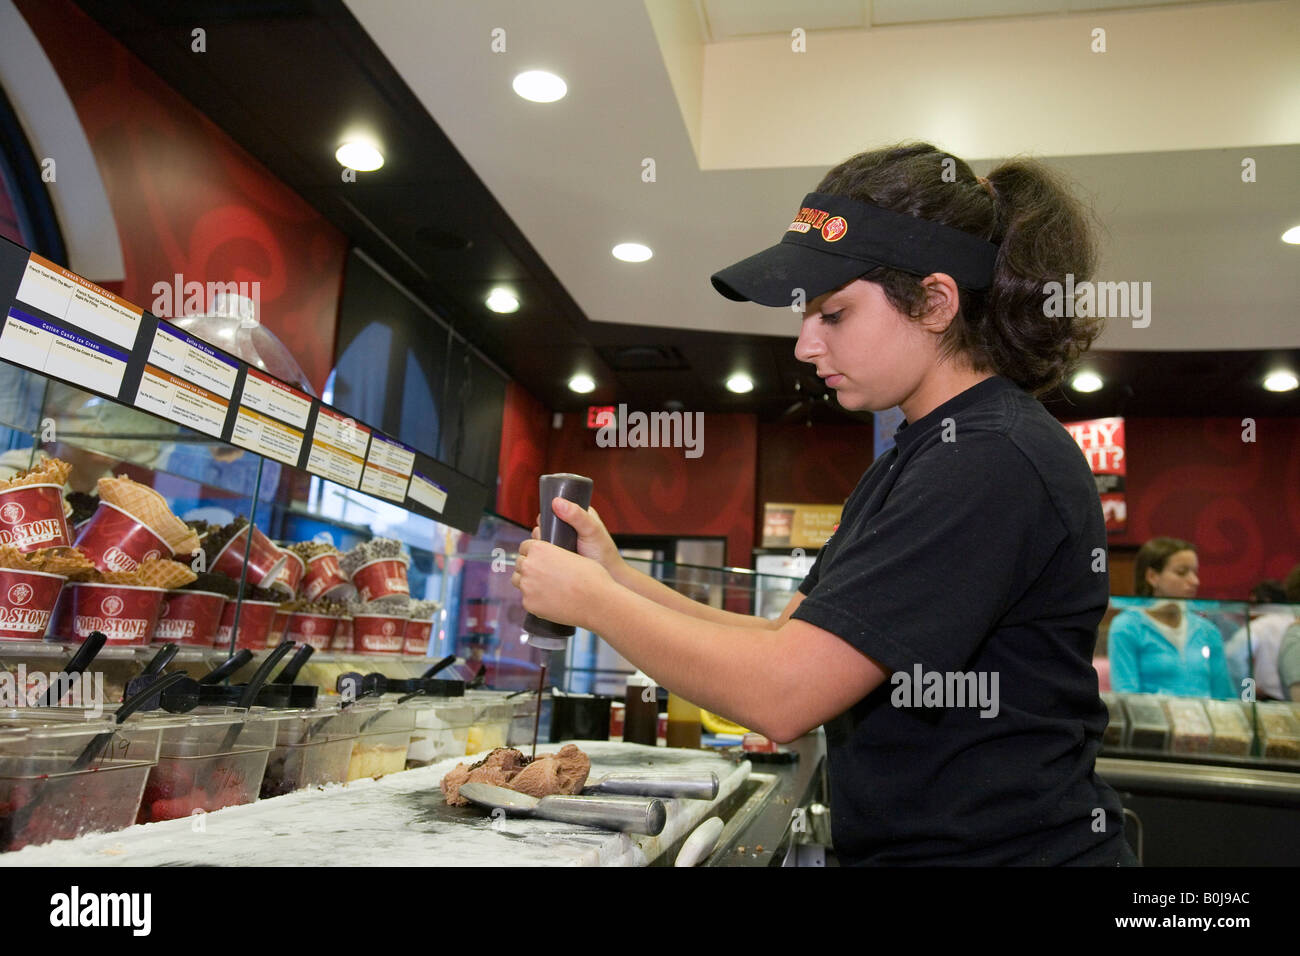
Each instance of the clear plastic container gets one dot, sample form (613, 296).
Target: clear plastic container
(1117, 724)
(41, 799)
(1279, 731)
(1232, 733)
(490, 727)
(312, 749)
(204, 764)
(441, 730)
(385, 736)
(1148, 724)
(1191, 731)
(523, 718)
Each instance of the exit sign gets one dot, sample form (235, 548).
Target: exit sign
(598, 416)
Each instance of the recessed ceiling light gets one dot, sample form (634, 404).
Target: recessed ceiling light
(632, 252)
(540, 86)
(1292, 235)
(502, 300)
(1086, 382)
(360, 155)
(582, 384)
(1280, 381)
(740, 383)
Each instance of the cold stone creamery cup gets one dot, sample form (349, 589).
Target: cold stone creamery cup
(323, 576)
(115, 540)
(254, 625)
(124, 613)
(291, 575)
(190, 618)
(31, 517)
(342, 642)
(381, 578)
(314, 629)
(377, 633)
(27, 599)
(415, 639)
(264, 559)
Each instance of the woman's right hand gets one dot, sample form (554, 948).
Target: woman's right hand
(593, 540)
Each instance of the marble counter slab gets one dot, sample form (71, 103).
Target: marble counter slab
(398, 820)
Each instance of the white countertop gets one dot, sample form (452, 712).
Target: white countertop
(398, 820)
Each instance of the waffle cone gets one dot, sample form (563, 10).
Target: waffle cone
(52, 471)
(69, 562)
(150, 508)
(161, 573)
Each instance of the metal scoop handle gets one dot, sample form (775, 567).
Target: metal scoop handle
(626, 814)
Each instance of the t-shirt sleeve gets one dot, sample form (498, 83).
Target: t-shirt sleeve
(1288, 658)
(813, 576)
(967, 528)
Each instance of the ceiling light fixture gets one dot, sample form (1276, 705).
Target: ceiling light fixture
(632, 252)
(582, 384)
(1086, 382)
(1280, 381)
(1292, 236)
(539, 86)
(502, 300)
(740, 383)
(360, 155)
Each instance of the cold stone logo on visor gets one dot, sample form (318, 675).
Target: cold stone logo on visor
(835, 229)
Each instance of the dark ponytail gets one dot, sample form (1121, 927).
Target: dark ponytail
(1043, 233)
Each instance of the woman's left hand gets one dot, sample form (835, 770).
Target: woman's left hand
(558, 585)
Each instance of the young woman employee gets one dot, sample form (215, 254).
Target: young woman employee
(971, 555)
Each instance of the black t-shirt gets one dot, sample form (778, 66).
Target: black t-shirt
(974, 549)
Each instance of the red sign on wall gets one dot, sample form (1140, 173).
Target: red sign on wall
(1102, 442)
(598, 416)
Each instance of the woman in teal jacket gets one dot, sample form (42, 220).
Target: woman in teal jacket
(1162, 649)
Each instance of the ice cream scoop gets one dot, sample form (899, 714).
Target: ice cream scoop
(625, 814)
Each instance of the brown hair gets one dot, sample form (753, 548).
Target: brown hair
(1043, 234)
(1291, 585)
(1153, 555)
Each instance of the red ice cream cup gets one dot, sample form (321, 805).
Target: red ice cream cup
(318, 630)
(189, 618)
(27, 600)
(291, 575)
(323, 576)
(124, 613)
(415, 639)
(342, 643)
(264, 559)
(377, 633)
(116, 540)
(254, 625)
(31, 517)
(380, 578)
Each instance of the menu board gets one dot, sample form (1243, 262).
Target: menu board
(56, 323)
(388, 469)
(55, 349)
(66, 297)
(338, 448)
(271, 418)
(428, 492)
(187, 381)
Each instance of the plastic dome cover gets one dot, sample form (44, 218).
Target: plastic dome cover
(231, 324)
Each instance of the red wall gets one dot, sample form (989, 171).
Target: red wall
(525, 433)
(186, 198)
(1238, 502)
(810, 464)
